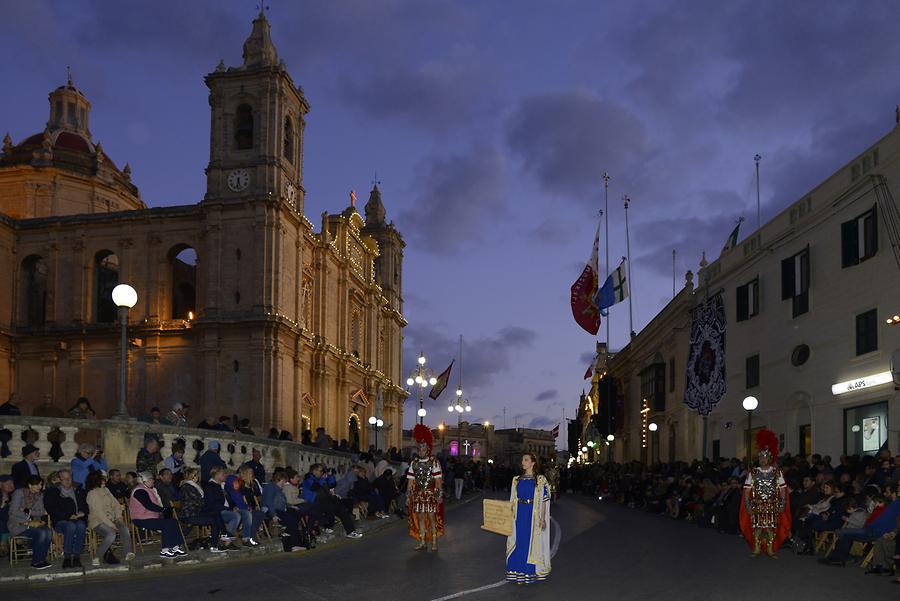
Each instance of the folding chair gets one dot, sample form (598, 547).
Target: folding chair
(19, 548)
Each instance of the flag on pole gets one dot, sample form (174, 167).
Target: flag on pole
(614, 289)
(733, 238)
(556, 431)
(584, 309)
(441, 384)
(588, 373)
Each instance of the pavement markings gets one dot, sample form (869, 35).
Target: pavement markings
(554, 547)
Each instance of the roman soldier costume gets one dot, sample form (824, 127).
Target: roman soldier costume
(765, 514)
(425, 492)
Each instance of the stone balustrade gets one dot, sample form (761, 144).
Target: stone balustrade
(121, 440)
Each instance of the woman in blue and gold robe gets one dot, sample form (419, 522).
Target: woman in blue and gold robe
(528, 547)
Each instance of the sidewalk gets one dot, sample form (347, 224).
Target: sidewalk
(21, 573)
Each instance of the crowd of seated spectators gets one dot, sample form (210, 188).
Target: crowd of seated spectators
(832, 506)
(164, 495)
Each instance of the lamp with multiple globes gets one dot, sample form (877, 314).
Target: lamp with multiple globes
(421, 377)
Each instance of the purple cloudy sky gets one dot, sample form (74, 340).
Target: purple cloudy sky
(489, 125)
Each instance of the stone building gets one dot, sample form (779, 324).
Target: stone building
(811, 302)
(242, 306)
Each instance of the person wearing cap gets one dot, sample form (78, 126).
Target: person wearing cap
(147, 511)
(87, 460)
(178, 415)
(209, 459)
(26, 467)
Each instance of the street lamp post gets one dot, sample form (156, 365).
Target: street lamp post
(653, 428)
(750, 404)
(609, 441)
(422, 377)
(125, 297)
(376, 423)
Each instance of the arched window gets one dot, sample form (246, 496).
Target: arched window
(34, 270)
(288, 139)
(307, 304)
(184, 282)
(243, 127)
(106, 277)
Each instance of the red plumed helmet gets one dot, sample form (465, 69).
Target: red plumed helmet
(766, 440)
(422, 434)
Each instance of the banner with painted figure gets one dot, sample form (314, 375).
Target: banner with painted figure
(705, 381)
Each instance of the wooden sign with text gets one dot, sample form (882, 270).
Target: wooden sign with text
(497, 517)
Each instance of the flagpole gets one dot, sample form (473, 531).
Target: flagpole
(608, 312)
(673, 273)
(757, 158)
(630, 281)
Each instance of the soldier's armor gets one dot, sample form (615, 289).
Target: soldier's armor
(765, 500)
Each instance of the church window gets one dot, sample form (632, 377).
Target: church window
(71, 115)
(288, 139)
(106, 277)
(35, 272)
(184, 282)
(355, 334)
(243, 127)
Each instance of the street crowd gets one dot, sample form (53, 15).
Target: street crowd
(835, 509)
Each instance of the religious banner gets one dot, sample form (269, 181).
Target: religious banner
(497, 517)
(705, 378)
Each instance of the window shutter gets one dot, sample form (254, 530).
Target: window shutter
(754, 297)
(787, 278)
(804, 271)
(849, 244)
(870, 231)
(743, 310)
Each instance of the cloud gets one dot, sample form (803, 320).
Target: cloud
(551, 231)
(458, 196)
(547, 395)
(566, 140)
(436, 96)
(533, 420)
(487, 357)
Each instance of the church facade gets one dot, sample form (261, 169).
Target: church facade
(243, 307)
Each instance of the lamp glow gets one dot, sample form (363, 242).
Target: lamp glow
(422, 412)
(432, 381)
(468, 408)
(421, 359)
(410, 381)
(750, 403)
(372, 420)
(379, 422)
(124, 295)
(855, 428)
(653, 427)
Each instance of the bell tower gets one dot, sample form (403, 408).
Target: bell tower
(258, 117)
(389, 264)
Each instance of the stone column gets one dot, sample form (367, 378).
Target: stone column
(69, 446)
(42, 443)
(16, 443)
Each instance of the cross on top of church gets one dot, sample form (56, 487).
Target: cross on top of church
(376, 181)
(262, 7)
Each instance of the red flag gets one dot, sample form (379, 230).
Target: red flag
(588, 373)
(584, 310)
(442, 380)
